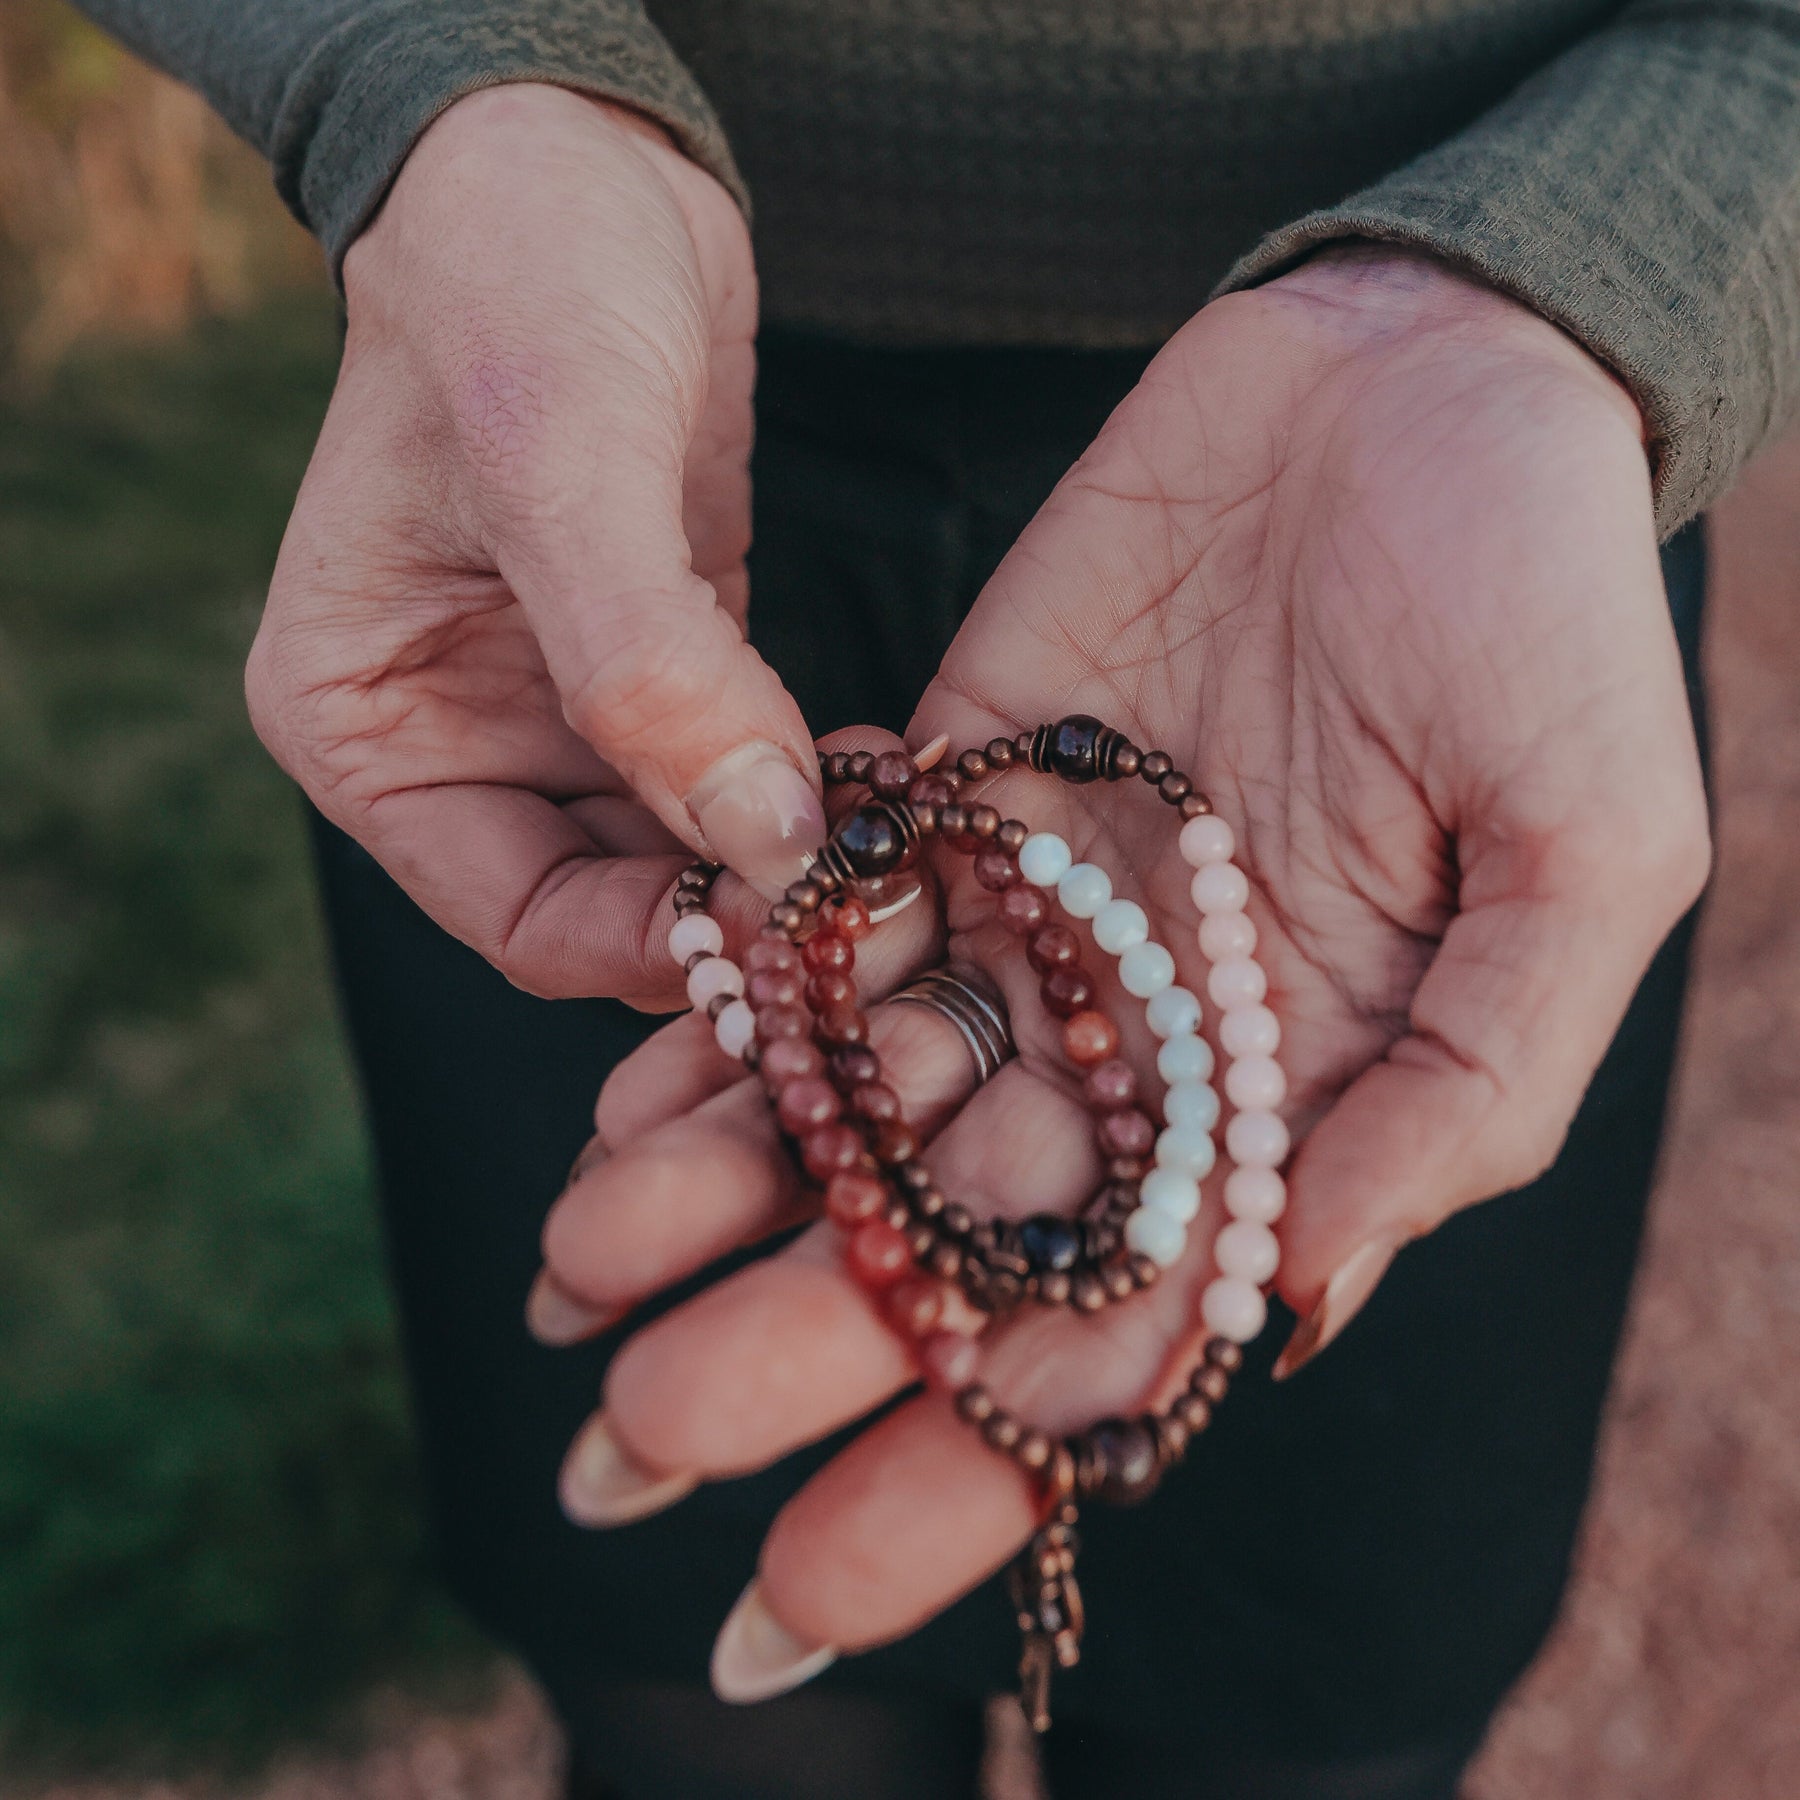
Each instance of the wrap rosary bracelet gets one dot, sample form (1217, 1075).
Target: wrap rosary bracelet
(936, 1272)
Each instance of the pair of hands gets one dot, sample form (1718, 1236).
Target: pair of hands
(1369, 551)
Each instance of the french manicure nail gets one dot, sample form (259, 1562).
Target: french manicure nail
(602, 1485)
(756, 1657)
(1345, 1295)
(555, 1317)
(759, 816)
(929, 757)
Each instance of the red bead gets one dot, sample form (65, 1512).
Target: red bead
(893, 774)
(915, 1305)
(774, 987)
(851, 917)
(830, 987)
(830, 1150)
(1051, 947)
(930, 790)
(877, 1254)
(1126, 1132)
(844, 1025)
(876, 1102)
(894, 1142)
(1089, 1038)
(995, 870)
(1112, 1084)
(806, 1104)
(948, 1359)
(828, 950)
(775, 1022)
(853, 1065)
(1067, 991)
(770, 953)
(853, 1195)
(790, 1059)
(1023, 909)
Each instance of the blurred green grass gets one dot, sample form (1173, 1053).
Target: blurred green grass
(209, 1536)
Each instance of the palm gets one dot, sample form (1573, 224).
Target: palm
(1397, 611)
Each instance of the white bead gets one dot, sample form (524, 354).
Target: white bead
(735, 1027)
(1185, 1058)
(1146, 969)
(1256, 1084)
(1207, 839)
(1191, 1103)
(1233, 1309)
(1156, 1235)
(1044, 859)
(1220, 887)
(1256, 1194)
(696, 932)
(1175, 1012)
(1170, 1192)
(1239, 982)
(1084, 890)
(1227, 934)
(717, 975)
(1186, 1149)
(1247, 1251)
(1250, 1031)
(1257, 1137)
(1118, 925)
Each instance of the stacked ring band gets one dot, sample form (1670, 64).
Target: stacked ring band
(966, 998)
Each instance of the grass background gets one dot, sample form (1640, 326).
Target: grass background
(209, 1536)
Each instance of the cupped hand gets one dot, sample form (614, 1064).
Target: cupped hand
(504, 643)
(1370, 553)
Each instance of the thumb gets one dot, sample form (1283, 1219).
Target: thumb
(1506, 1030)
(651, 669)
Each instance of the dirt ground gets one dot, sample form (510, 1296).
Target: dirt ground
(1675, 1674)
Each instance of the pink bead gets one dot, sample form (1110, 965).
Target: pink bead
(1127, 1132)
(1239, 982)
(806, 1104)
(1220, 887)
(717, 975)
(1255, 1083)
(1233, 1309)
(1207, 839)
(789, 1059)
(734, 1028)
(1111, 1084)
(1255, 1193)
(1258, 1138)
(765, 953)
(1225, 935)
(1247, 1251)
(1250, 1031)
(949, 1359)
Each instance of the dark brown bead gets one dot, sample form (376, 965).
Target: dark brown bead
(1022, 908)
(915, 1178)
(832, 765)
(899, 1215)
(843, 1025)
(876, 1102)
(946, 1261)
(717, 1004)
(774, 1022)
(953, 821)
(851, 1066)
(787, 918)
(972, 765)
(1211, 1381)
(1127, 759)
(1110, 1085)
(995, 870)
(1222, 1353)
(931, 790)
(1052, 947)
(957, 1220)
(1143, 1271)
(694, 961)
(1127, 1469)
(806, 894)
(1059, 1476)
(999, 753)
(1126, 1132)
(874, 841)
(984, 822)
(1195, 806)
(1194, 1412)
(924, 817)
(1171, 1437)
(1068, 990)
(1002, 1430)
(892, 774)
(975, 1403)
(1154, 765)
(1034, 1450)
(1053, 1289)
(858, 764)
(929, 1203)
(1088, 1292)
(1127, 1168)
(1174, 787)
(894, 1142)
(1073, 748)
(1119, 1285)
(774, 987)
(1012, 835)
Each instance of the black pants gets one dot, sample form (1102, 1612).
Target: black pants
(1328, 1601)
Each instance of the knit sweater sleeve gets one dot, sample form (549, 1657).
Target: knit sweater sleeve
(1643, 191)
(335, 92)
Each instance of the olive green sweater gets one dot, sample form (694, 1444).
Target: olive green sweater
(1087, 172)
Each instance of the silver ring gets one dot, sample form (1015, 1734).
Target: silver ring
(964, 995)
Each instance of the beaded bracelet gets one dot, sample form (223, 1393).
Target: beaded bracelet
(791, 1013)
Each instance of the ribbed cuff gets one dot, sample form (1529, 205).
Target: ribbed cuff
(365, 94)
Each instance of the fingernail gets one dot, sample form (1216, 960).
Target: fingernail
(928, 757)
(556, 1318)
(601, 1485)
(1345, 1295)
(756, 1657)
(759, 816)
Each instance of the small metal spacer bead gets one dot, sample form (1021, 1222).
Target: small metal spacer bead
(1155, 765)
(975, 1403)
(1053, 1287)
(972, 765)
(946, 1261)
(788, 919)
(1222, 1353)
(1012, 835)
(1174, 787)
(1195, 806)
(694, 961)
(717, 1004)
(1001, 1429)
(984, 821)
(806, 894)
(1125, 761)
(999, 753)
(1037, 748)
(1210, 1381)
(858, 764)
(1172, 1437)
(1143, 1271)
